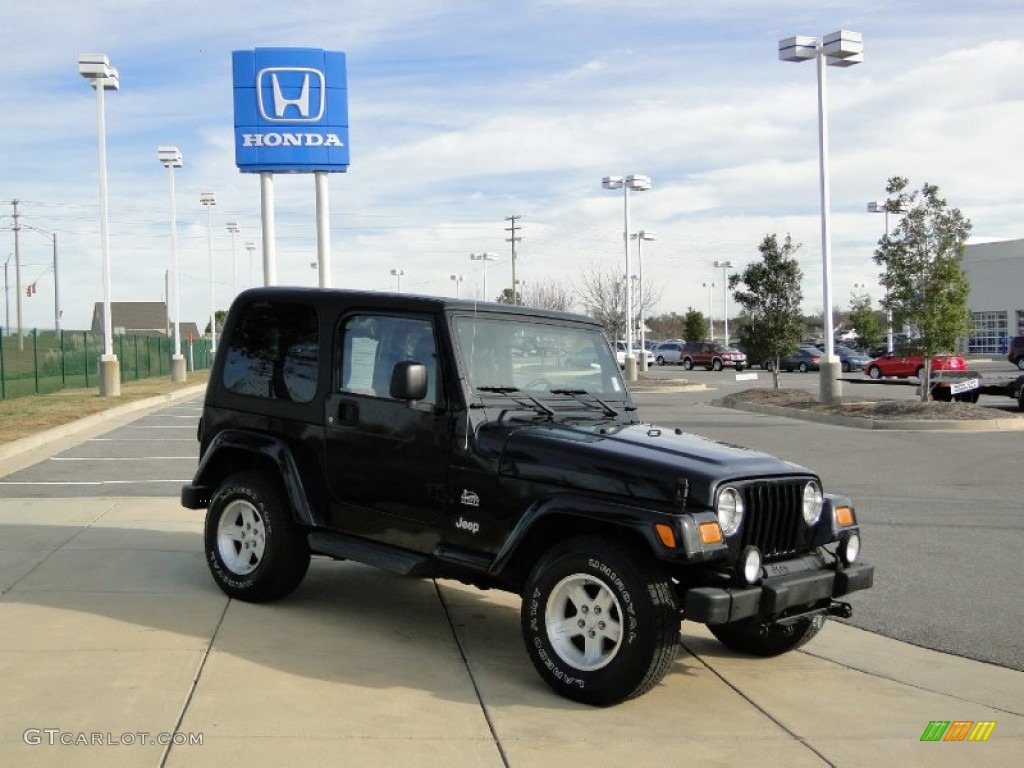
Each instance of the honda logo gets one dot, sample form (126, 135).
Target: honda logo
(291, 94)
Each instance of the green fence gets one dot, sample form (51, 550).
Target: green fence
(39, 362)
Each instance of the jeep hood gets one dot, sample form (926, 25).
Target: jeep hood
(640, 461)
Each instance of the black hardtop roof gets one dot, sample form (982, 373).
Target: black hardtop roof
(323, 297)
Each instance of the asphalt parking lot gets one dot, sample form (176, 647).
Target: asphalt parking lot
(111, 625)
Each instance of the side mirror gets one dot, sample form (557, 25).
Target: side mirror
(409, 381)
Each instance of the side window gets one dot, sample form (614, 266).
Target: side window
(273, 352)
(371, 345)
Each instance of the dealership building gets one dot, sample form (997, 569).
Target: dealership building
(995, 272)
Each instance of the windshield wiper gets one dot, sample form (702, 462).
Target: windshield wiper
(510, 391)
(575, 393)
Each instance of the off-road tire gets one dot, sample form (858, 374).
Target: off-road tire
(745, 636)
(618, 618)
(254, 549)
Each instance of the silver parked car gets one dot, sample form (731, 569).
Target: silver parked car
(669, 353)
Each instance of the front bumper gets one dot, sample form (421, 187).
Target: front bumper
(721, 605)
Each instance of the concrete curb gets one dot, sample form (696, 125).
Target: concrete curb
(856, 422)
(72, 428)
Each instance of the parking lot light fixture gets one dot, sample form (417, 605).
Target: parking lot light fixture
(208, 199)
(838, 49)
(170, 158)
(640, 237)
(250, 246)
(457, 279)
(483, 257)
(398, 274)
(636, 182)
(95, 67)
(882, 206)
(725, 266)
(711, 322)
(234, 229)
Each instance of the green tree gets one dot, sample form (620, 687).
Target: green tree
(865, 320)
(695, 325)
(926, 286)
(772, 299)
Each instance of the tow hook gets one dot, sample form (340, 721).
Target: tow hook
(840, 609)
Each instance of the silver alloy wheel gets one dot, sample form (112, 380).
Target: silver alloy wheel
(583, 620)
(241, 537)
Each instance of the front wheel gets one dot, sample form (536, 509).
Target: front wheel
(751, 637)
(845, 366)
(600, 623)
(716, 365)
(1020, 364)
(254, 549)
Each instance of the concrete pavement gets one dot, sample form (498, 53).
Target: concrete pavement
(111, 627)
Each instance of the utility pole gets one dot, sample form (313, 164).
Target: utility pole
(17, 274)
(513, 240)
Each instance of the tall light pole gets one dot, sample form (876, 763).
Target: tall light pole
(170, 157)
(838, 49)
(95, 67)
(398, 274)
(638, 183)
(882, 206)
(234, 229)
(725, 266)
(711, 322)
(484, 257)
(513, 229)
(56, 278)
(640, 237)
(457, 279)
(250, 246)
(208, 199)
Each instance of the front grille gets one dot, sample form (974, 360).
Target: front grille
(774, 521)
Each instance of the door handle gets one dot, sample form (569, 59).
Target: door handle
(348, 412)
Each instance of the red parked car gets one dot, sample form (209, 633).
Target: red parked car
(902, 366)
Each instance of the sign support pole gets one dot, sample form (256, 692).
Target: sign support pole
(323, 229)
(269, 233)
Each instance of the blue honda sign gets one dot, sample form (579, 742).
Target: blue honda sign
(291, 110)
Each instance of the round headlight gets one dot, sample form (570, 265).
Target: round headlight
(729, 510)
(813, 502)
(849, 548)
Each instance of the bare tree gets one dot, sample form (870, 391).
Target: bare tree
(549, 296)
(603, 295)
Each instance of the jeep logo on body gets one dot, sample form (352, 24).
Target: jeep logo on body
(467, 525)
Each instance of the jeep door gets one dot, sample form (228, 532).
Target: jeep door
(386, 459)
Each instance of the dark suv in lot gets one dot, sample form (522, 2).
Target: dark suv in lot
(412, 434)
(1015, 352)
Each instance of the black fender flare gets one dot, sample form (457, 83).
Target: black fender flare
(686, 525)
(215, 465)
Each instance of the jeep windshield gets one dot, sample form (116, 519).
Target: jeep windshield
(532, 356)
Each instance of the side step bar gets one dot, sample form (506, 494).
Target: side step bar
(400, 561)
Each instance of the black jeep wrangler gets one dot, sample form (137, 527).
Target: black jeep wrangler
(498, 445)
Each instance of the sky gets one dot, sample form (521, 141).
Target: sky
(465, 113)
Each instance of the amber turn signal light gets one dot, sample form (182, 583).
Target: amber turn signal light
(710, 533)
(666, 534)
(844, 516)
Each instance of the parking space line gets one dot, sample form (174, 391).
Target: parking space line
(121, 458)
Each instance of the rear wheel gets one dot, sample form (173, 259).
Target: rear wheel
(1020, 363)
(803, 368)
(919, 372)
(661, 360)
(874, 373)
(751, 637)
(688, 364)
(600, 622)
(845, 366)
(254, 549)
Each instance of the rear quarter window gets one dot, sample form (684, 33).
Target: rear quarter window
(273, 352)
